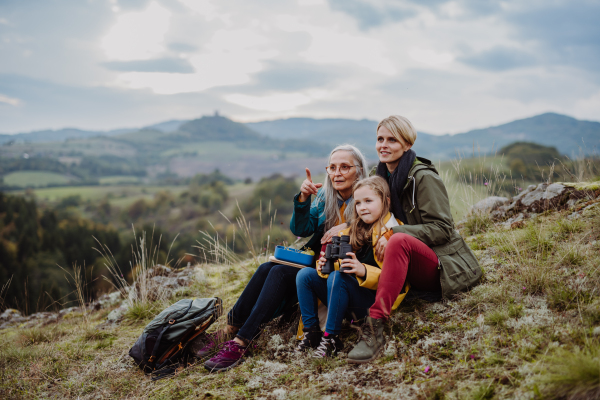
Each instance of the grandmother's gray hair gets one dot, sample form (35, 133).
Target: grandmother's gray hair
(330, 196)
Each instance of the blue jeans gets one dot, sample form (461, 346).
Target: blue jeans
(270, 287)
(340, 292)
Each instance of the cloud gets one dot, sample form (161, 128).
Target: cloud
(565, 32)
(368, 14)
(138, 35)
(273, 102)
(176, 65)
(499, 58)
(47, 105)
(9, 100)
(294, 76)
(448, 65)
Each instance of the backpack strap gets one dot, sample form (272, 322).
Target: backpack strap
(152, 359)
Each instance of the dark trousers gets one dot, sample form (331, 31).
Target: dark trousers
(270, 287)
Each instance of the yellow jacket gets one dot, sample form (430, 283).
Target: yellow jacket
(371, 279)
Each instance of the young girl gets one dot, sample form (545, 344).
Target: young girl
(351, 292)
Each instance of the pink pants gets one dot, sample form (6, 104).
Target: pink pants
(406, 258)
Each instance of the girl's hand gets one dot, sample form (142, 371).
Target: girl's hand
(308, 187)
(380, 248)
(356, 267)
(321, 262)
(333, 232)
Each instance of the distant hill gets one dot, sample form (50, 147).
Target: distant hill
(565, 133)
(168, 126)
(59, 135)
(217, 128)
(318, 136)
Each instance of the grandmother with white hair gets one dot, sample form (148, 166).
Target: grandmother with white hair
(273, 284)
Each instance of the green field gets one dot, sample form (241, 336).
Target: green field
(115, 180)
(119, 195)
(35, 179)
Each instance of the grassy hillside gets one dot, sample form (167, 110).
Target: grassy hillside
(257, 150)
(530, 329)
(35, 179)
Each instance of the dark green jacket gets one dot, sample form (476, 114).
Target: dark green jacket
(427, 208)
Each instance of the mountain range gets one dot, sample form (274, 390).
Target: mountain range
(569, 135)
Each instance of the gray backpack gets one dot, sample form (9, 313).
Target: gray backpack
(161, 348)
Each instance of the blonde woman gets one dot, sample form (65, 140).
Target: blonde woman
(426, 250)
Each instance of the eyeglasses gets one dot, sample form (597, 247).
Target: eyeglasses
(344, 169)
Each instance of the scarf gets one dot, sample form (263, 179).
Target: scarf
(397, 181)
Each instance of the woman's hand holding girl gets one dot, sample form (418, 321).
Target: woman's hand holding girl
(308, 187)
(380, 248)
(355, 266)
(333, 232)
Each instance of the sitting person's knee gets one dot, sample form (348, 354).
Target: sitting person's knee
(264, 267)
(305, 274)
(399, 239)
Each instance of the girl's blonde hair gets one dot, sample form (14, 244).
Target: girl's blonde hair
(400, 127)
(360, 232)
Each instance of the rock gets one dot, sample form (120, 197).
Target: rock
(537, 199)
(159, 270)
(107, 300)
(9, 314)
(542, 192)
(489, 204)
(117, 314)
(66, 311)
(508, 224)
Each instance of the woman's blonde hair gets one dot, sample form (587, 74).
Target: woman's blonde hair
(400, 127)
(360, 232)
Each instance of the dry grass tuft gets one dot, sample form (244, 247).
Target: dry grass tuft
(571, 374)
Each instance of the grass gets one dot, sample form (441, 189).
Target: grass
(115, 180)
(35, 179)
(571, 374)
(527, 331)
(143, 297)
(477, 223)
(130, 193)
(37, 335)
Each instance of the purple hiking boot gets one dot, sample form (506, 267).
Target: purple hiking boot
(230, 356)
(207, 344)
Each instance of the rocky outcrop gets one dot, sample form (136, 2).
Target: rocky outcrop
(537, 199)
(161, 280)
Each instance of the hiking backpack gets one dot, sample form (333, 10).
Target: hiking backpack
(161, 348)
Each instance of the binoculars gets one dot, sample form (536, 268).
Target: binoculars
(336, 251)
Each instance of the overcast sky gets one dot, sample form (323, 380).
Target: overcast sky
(449, 66)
